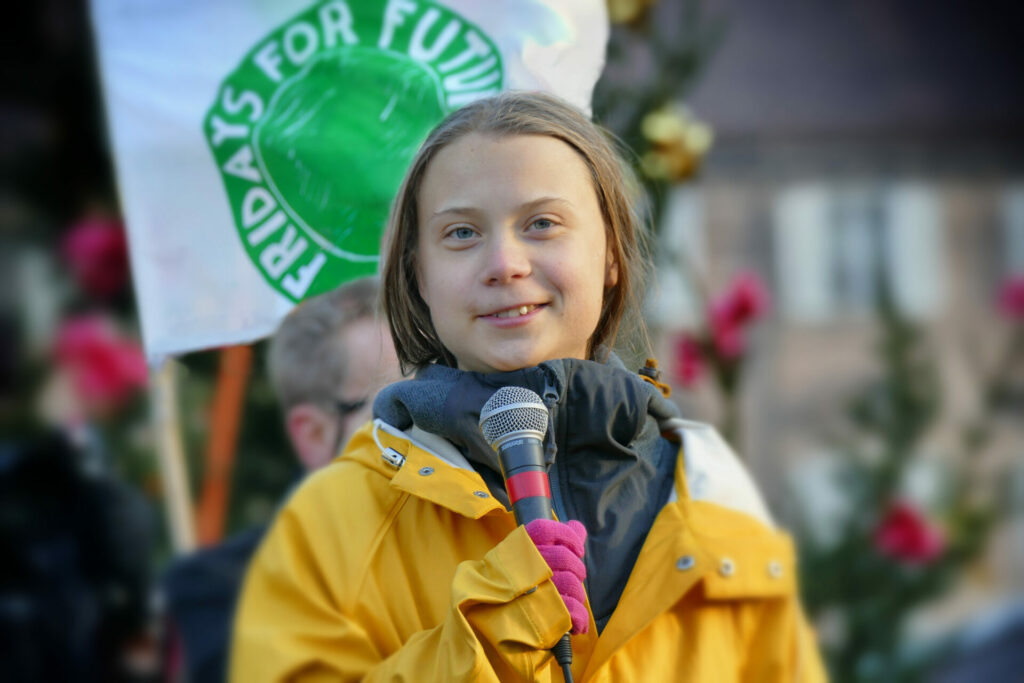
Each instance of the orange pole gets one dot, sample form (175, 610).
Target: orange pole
(225, 421)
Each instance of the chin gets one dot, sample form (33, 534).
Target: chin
(508, 363)
(506, 366)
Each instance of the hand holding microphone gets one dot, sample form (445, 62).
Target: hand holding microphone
(561, 546)
(514, 421)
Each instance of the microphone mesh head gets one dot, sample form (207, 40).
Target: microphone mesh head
(513, 409)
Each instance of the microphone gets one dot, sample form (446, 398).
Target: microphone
(514, 421)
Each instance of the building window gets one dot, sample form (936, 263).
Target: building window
(680, 256)
(857, 248)
(835, 245)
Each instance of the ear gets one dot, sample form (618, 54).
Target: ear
(313, 433)
(611, 271)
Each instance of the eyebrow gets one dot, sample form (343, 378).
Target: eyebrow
(533, 203)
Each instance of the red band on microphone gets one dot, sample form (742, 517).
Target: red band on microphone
(527, 484)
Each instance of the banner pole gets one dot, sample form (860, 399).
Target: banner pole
(222, 444)
(171, 453)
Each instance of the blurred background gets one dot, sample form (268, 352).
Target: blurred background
(837, 199)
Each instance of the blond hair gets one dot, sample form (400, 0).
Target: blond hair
(515, 113)
(306, 360)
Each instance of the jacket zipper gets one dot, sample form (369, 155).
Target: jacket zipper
(550, 399)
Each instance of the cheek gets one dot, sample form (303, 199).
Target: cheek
(437, 289)
(355, 421)
(591, 290)
(602, 281)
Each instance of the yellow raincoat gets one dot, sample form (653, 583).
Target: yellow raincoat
(394, 563)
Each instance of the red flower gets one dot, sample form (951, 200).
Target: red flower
(745, 300)
(728, 337)
(97, 253)
(905, 535)
(1011, 298)
(689, 365)
(105, 368)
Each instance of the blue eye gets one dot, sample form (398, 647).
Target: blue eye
(542, 224)
(462, 233)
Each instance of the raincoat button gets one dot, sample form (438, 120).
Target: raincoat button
(775, 569)
(425, 471)
(685, 562)
(726, 567)
(481, 494)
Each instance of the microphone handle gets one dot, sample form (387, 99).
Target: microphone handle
(526, 479)
(529, 493)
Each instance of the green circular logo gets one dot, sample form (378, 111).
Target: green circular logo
(314, 130)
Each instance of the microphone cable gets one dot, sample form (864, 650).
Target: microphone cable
(563, 655)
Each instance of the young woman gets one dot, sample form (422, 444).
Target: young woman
(514, 258)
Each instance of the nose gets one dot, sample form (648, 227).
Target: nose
(508, 259)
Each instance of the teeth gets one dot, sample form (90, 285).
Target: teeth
(514, 312)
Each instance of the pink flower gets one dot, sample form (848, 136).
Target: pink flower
(728, 337)
(96, 251)
(905, 535)
(1011, 298)
(745, 300)
(105, 368)
(689, 363)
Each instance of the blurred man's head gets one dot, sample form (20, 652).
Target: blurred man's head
(328, 359)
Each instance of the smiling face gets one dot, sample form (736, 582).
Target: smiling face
(511, 252)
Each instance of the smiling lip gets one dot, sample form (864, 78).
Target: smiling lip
(514, 315)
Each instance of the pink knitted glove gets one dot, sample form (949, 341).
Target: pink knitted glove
(561, 546)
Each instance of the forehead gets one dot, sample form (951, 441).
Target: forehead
(477, 166)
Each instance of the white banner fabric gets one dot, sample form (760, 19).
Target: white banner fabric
(258, 144)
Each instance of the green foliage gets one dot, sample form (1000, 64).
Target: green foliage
(897, 408)
(859, 594)
(653, 62)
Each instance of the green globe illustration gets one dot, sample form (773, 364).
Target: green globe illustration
(337, 139)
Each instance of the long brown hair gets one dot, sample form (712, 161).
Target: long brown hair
(515, 113)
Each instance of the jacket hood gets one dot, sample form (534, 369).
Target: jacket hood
(447, 401)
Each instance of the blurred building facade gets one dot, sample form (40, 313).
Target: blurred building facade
(853, 140)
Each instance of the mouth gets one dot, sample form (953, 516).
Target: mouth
(514, 311)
